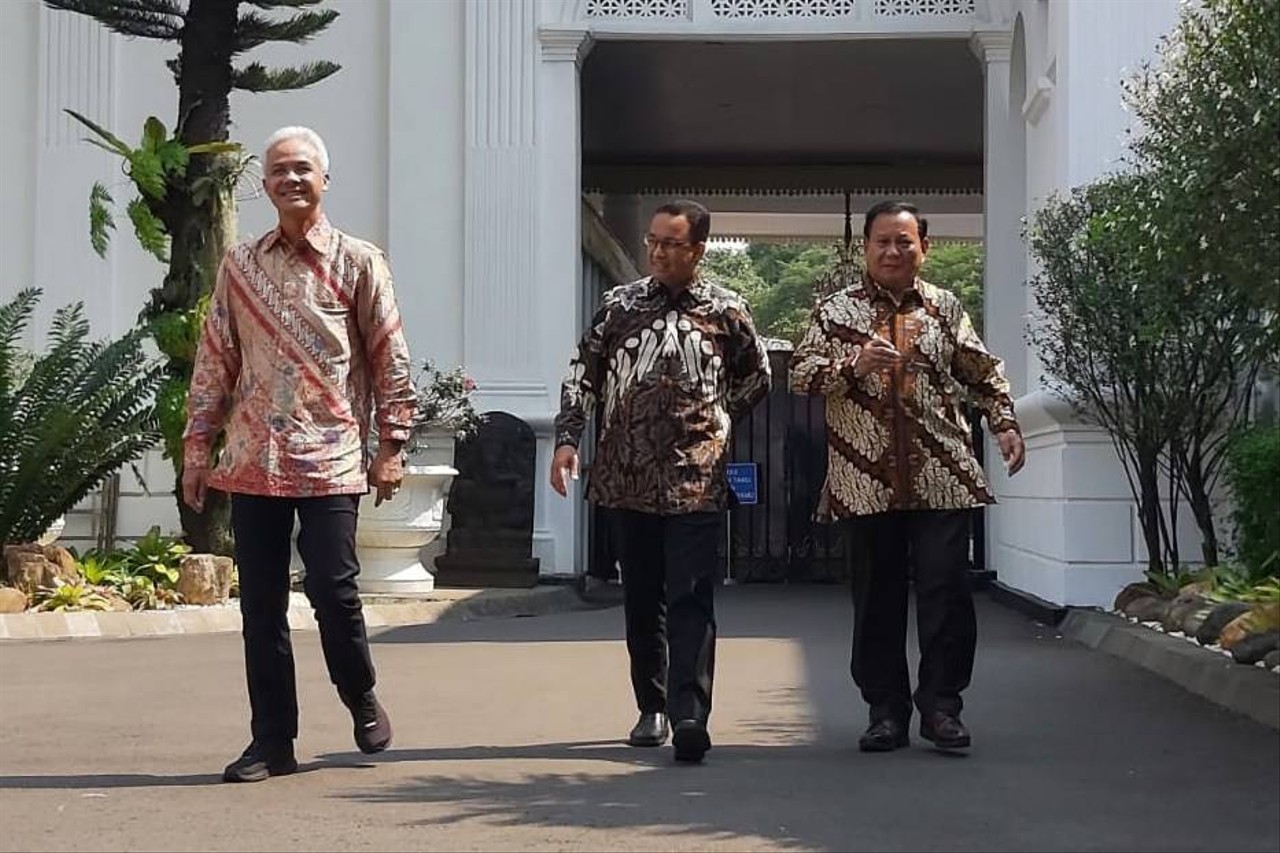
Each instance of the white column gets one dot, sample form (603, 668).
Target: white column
(500, 219)
(1003, 193)
(558, 275)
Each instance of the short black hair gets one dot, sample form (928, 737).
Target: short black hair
(893, 208)
(698, 216)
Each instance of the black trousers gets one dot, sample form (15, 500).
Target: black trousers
(327, 544)
(669, 573)
(934, 546)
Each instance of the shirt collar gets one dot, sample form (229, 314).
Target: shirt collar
(696, 291)
(319, 237)
(874, 288)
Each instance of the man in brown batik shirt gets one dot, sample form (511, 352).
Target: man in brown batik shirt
(671, 360)
(894, 356)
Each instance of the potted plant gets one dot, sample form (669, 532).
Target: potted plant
(394, 539)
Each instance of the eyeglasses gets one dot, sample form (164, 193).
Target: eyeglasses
(652, 242)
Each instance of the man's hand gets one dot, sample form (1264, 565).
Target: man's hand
(386, 472)
(877, 355)
(195, 485)
(564, 466)
(1012, 449)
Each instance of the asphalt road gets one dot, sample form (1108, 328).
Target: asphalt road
(509, 737)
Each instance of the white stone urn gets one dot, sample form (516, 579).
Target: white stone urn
(53, 532)
(390, 537)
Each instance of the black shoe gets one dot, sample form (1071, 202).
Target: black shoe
(691, 741)
(372, 725)
(259, 761)
(884, 736)
(650, 730)
(944, 730)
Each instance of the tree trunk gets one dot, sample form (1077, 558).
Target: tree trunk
(201, 234)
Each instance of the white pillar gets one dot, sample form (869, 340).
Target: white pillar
(1003, 194)
(558, 275)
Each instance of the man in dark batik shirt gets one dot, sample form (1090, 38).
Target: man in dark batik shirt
(672, 360)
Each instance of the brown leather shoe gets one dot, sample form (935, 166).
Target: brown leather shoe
(944, 730)
(884, 736)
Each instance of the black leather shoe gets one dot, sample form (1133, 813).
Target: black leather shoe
(944, 730)
(372, 725)
(884, 736)
(259, 761)
(691, 741)
(650, 730)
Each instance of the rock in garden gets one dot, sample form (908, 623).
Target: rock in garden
(29, 567)
(1131, 592)
(1217, 619)
(1184, 605)
(1149, 608)
(12, 600)
(1254, 647)
(204, 579)
(1193, 620)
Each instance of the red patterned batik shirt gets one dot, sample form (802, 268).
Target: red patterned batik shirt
(300, 346)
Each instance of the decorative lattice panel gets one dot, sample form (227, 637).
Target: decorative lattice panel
(922, 8)
(637, 8)
(783, 8)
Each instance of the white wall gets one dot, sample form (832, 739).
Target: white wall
(1066, 528)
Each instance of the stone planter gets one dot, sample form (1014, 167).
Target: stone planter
(390, 537)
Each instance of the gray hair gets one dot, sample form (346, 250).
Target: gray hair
(307, 135)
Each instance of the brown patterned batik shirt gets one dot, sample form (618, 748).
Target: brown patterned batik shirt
(670, 375)
(899, 440)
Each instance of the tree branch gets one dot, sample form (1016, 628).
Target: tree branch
(253, 29)
(257, 78)
(154, 19)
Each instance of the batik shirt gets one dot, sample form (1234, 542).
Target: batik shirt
(670, 375)
(899, 439)
(300, 345)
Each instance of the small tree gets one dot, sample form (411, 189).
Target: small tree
(1104, 330)
(185, 210)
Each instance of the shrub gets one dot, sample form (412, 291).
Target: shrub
(1253, 471)
(76, 414)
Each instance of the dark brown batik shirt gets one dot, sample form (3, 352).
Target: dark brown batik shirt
(670, 375)
(899, 439)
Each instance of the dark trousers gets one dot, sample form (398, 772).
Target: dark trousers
(327, 544)
(669, 572)
(934, 544)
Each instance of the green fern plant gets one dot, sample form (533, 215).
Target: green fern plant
(78, 413)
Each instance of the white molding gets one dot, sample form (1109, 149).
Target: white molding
(992, 46)
(564, 44)
(1037, 102)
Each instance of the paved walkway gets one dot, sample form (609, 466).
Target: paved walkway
(508, 738)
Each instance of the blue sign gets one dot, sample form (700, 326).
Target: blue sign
(743, 481)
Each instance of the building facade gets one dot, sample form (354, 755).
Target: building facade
(466, 134)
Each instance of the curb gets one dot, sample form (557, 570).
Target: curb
(379, 612)
(1248, 690)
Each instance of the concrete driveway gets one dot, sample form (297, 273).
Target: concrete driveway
(509, 737)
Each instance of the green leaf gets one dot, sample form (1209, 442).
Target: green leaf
(215, 148)
(106, 139)
(154, 134)
(100, 219)
(253, 29)
(147, 171)
(149, 230)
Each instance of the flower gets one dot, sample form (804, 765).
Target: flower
(443, 404)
